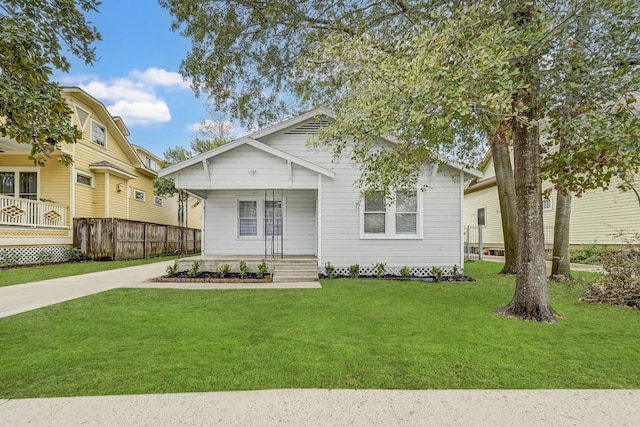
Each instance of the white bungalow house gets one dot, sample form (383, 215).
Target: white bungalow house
(271, 195)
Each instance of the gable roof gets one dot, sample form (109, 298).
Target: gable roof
(288, 123)
(253, 143)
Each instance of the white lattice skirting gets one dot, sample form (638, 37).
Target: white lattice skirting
(447, 271)
(22, 255)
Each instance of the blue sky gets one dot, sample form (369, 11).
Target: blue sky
(136, 76)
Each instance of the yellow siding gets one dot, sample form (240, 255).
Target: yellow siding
(56, 180)
(598, 216)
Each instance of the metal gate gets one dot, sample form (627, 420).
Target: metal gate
(273, 224)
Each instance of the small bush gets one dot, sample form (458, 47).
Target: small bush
(73, 254)
(173, 268)
(330, 270)
(10, 257)
(223, 270)
(263, 269)
(589, 254)
(437, 273)
(381, 267)
(195, 269)
(621, 283)
(45, 256)
(405, 272)
(354, 271)
(456, 272)
(243, 268)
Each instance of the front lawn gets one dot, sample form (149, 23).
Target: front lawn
(350, 334)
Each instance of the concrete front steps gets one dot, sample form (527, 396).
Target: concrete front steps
(295, 270)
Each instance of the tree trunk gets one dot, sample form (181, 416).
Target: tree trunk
(507, 198)
(561, 264)
(531, 298)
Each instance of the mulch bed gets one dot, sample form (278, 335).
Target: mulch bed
(213, 277)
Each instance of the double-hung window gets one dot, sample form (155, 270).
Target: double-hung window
(399, 218)
(98, 134)
(247, 218)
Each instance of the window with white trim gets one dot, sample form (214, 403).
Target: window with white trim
(399, 219)
(482, 217)
(157, 200)
(23, 184)
(139, 195)
(547, 205)
(247, 218)
(84, 179)
(98, 134)
(150, 163)
(273, 218)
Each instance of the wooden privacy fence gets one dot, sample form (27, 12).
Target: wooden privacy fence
(117, 239)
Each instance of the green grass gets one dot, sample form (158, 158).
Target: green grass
(18, 275)
(350, 334)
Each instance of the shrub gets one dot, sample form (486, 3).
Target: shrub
(589, 254)
(173, 268)
(354, 271)
(243, 268)
(45, 256)
(456, 272)
(405, 272)
(223, 270)
(437, 273)
(330, 270)
(194, 270)
(10, 257)
(381, 267)
(263, 268)
(73, 254)
(621, 283)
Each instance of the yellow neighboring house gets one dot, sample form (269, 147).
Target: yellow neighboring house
(598, 217)
(109, 178)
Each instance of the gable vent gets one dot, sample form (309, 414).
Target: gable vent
(82, 116)
(308, 128)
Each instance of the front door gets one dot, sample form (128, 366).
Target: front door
(273, 226)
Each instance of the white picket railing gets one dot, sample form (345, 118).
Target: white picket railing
(15, 211)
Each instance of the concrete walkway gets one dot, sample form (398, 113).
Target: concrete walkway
(319, 407)
(306, 407)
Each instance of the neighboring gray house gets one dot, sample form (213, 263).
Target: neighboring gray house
(271, 194)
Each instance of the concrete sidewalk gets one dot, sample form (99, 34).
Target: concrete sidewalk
(576, 267)
(319, 407)
(30, 296)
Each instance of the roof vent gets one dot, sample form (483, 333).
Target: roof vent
(308, 128)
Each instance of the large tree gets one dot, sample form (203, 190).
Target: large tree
(438, 75)
(36, 37)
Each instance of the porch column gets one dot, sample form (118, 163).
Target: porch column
(319, 220)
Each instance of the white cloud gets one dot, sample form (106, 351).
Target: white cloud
(141, 113)
(134, 97)
(160, 77)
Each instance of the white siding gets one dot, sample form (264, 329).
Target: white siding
(221, 223)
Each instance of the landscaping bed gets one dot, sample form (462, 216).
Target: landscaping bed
(213, 277)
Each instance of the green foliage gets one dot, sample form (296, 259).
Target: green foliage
(243, 268)
(330, 270)
(354, 271)
(195, 269)
(437, 274)
(10, 257)
(35, 37)
(621, 283)
(456, 272)
(72, 254)
(589, 254)
(45, 256)
(164, 187)
(380, 269)
(172, 268)
(223, 270)
(405, 272)
(263, 269)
